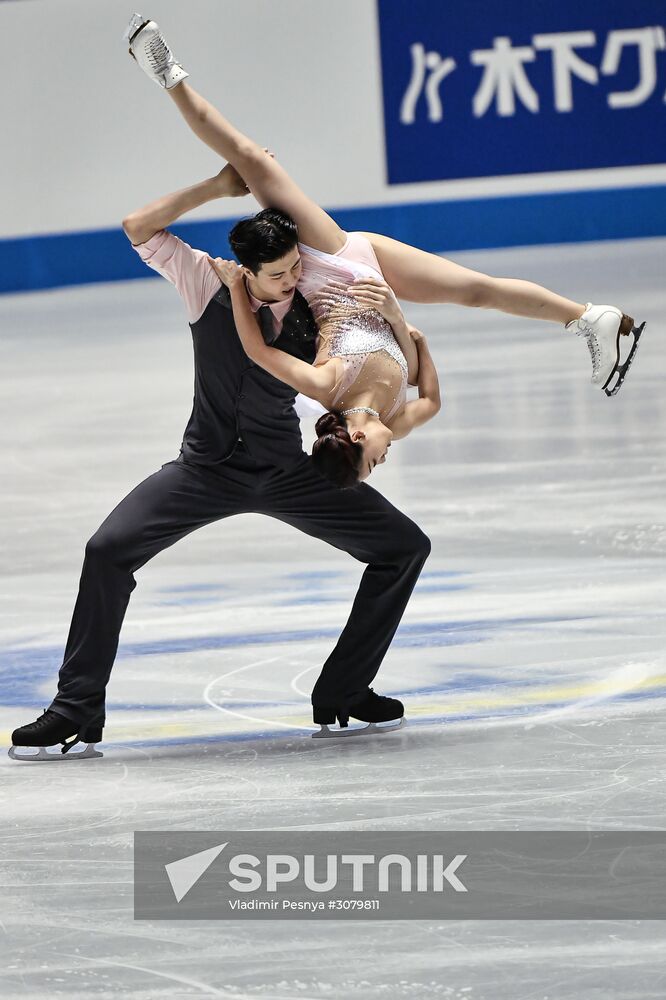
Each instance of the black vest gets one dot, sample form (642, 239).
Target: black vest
(236, 399)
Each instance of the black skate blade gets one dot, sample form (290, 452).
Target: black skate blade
(372, 729)
(41, 754)
(612, 387)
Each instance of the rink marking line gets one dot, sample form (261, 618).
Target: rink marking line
(408, 635)
(241, 715)
(539, 696)
(565, 696)
(628, 678)
(294, 682)
(550, 700)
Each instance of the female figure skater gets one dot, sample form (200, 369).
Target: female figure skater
(362, 263)
(360, 367)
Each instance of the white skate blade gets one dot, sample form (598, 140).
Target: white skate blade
(137, 21)
(372, 729)
(616, 377)
(42, 754)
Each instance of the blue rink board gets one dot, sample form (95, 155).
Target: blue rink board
(54, 260)
(485, 89)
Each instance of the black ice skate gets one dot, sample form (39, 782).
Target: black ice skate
(383, 715)
(31, 741)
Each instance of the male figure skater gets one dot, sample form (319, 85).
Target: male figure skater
(241, 452)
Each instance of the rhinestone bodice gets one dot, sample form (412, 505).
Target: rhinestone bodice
(370, 354)
(361, 338)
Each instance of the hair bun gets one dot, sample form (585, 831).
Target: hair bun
(328, 422)
(334, 454)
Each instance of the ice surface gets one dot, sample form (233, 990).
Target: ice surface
(531, 659)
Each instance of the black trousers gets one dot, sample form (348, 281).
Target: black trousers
(182, 497)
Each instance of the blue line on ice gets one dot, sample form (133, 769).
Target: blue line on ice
(23, 671)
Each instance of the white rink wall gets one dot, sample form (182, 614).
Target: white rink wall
(88, 138)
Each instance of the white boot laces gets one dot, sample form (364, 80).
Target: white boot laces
(159, 54)
(583, 328)
(593, 345)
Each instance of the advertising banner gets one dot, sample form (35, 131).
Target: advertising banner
(483, 89)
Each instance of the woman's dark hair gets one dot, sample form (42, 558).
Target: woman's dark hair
(263, 238)
(334, 454)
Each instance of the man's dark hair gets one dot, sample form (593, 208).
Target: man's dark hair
(263, 238)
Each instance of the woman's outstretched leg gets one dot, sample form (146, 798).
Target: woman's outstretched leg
(268, 181)
(424, 277)
(413, 274)
(417, 276)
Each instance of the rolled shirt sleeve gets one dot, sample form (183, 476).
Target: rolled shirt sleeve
(186, 268)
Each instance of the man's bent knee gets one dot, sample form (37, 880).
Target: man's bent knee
(415, 544)
(424, 546)
(106, 544)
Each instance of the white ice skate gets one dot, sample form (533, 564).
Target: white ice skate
(604, 327)
(148, 46)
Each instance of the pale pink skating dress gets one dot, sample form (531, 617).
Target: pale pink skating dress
(360, 338)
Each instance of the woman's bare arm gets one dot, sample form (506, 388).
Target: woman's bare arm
(402, 332)
(313, 382)
(268, 181)
(429, 402)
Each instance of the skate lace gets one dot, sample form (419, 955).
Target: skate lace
(372, 694)
(595, 353)
(159, 53)
(43, 719)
